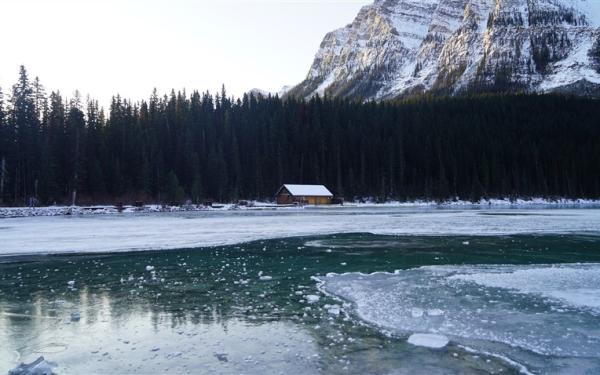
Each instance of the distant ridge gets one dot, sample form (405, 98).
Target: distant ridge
(399, 47)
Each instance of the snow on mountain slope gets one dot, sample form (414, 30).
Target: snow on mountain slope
(265, 93)
(396, 47)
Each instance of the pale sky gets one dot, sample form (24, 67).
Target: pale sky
(105, 47)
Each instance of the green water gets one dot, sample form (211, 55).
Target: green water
(209, 311)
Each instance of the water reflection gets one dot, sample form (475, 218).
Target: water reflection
(238, 308)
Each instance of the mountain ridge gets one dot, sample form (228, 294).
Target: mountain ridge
(400, 47)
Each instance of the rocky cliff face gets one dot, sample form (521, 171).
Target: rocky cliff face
(398, 47)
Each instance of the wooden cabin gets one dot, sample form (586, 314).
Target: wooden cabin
(303, 194)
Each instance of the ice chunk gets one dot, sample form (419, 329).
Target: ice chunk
(311, 298)
(334, 310)
(38, 367)
(428, 340)
(71, 283)
(416, 312)
(149, 268)
(266, 278)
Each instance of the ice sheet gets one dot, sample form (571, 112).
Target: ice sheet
(131, 232)
(543, 309)
(578, 286)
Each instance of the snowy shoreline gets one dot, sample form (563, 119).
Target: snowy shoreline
(15, 212)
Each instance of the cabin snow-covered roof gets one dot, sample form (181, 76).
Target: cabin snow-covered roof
(308, 190)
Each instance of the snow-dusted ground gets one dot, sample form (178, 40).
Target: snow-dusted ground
(6, 212)
(101, 210)
(155, 231)
(496, 203)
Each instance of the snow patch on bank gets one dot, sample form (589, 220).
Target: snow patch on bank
(14, 212)
(8, 212)
(520, 202)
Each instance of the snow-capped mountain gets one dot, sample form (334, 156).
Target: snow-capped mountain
(397, 47)
(266, 93)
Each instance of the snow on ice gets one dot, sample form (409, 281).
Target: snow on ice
(546, 309)
(159, 231)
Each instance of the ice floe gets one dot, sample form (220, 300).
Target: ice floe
(545, 309)
(579, 286)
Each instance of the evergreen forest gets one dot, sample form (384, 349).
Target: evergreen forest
(200, 146)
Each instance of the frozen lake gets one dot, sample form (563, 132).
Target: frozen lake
(157, 231)
(350, 290)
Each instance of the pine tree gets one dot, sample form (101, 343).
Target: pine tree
(4, 147)
(54, 173)
(75, 134)
(175, 192)
(24, 125)
(196, 192)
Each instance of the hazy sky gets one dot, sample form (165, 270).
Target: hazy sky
(104, 47)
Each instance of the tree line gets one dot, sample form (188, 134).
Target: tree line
(201, 146)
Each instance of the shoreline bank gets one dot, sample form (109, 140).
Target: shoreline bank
(14, 212)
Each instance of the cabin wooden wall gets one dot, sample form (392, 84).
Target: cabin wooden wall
(318, 200)
(285, 198)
